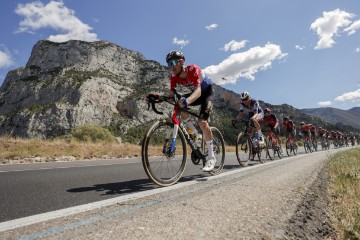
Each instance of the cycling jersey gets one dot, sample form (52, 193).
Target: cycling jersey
(253, 109)
(195, 78)
(289, 125)
(270, 120)
(305, 128)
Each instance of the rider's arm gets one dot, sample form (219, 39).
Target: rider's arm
(240, 115)
(194, 95)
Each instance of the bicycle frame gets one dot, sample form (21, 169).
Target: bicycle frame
(178, 124)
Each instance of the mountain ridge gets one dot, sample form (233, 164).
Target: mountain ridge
(65, 85)
(336, 116)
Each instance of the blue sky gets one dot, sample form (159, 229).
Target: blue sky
(303, 53)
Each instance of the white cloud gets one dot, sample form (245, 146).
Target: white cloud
(357, 50)
(299, 47)
(324, 104)
(55, 15)
(328, 25)
(234, 45)
(180, 42)
(349, 96)
(5, 59)
(211, 26)
(353, 27)
(244, 64)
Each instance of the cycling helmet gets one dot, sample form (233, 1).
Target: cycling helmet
(174, 55)
(285, 118)
(320, 127)
(244, 95)
(302, 123)
(267, 111)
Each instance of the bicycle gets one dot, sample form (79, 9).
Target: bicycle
(325, 144)
(274, 145)
(314, 142)
(291, 145)
(164, 150)
(249, 145)
(307, 144)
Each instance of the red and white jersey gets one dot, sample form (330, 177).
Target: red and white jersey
(193, 78)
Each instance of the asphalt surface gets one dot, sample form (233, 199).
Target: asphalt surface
(28, 189)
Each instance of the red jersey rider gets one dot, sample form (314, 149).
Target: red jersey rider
(273, 123)
(192, 77)
(304, 130)
(313, 131)
(289, 126)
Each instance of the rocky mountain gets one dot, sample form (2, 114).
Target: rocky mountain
(336, 116)
(65, 85)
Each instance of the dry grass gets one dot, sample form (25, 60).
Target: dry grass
(344, 171)
(17, 148)
(14, 148)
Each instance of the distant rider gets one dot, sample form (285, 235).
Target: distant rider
(255, 113)
(273, 124)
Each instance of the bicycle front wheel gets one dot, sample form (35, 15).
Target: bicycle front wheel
(243, 145)
(288, 147)
(162, 165)
(219, 150)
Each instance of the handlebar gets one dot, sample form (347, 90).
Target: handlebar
(234, 122)
(153, 101)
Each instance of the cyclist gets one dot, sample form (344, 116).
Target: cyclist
(289, 126)
(255, 113)
(304, 131)
(193, 78)
(322, 133)
(313, 131)
(273, 124)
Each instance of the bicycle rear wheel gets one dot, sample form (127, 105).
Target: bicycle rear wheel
(219, 150)
(162, 166)
(243, 145)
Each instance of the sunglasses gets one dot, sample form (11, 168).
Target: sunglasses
(245, 99)
(172, 63)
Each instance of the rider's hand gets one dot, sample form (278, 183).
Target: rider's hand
(234, 121)
(183, 102)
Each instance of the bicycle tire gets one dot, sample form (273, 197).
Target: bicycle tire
(266, 149)
(288, 147)
(270, 152)
(243, 145)
(219, 150)
(295, 148)
(306, 146)
(163, 170)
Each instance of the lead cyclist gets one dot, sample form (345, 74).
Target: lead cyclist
(193, 78)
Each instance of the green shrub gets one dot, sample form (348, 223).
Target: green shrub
(92, 133)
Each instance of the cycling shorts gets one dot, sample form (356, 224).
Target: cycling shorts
(205, 102)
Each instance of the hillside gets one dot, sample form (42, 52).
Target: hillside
(65, 85)
(331, 115)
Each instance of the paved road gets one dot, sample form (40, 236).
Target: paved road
(28, 189)
(241, 203)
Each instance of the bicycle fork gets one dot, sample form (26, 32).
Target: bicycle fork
(171, 132)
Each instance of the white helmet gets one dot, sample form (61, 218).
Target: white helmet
(244, 95)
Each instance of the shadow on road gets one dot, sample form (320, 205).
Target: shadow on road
(121, 188)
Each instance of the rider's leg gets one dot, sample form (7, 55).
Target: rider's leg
(189, 123)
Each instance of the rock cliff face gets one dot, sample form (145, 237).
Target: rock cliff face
(65, 85)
